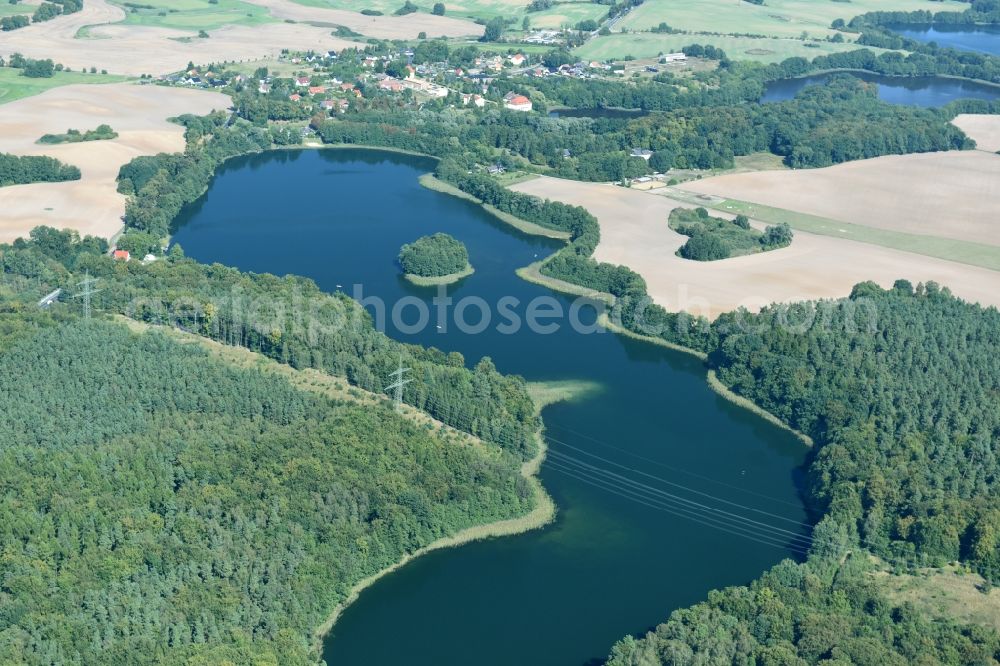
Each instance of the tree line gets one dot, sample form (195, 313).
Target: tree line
(21, 170)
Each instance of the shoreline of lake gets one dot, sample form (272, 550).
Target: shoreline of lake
(541, 515)
(435, 280)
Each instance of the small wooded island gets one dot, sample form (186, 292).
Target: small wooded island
(435, 259)
(713, 238)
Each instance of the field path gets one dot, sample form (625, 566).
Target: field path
(135, 50)
(634, 232)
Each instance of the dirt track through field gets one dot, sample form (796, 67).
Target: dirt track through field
(634, 232)
(90, 205)
(134, 50)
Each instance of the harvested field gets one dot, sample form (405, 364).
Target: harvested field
(90, 205)
(634, 232)
(985, 130)
(950, 195)
(97, 37)
(382, 27)
(775, 18)
(482, 9)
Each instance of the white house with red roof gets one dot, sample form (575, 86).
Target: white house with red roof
(517, 102)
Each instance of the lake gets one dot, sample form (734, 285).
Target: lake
(926, 91)
(609, 565)
(977, 38)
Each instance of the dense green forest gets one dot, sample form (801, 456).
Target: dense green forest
(101, 133)
(16, 170)
(713, 238)
(158, 501)
(436, 255)
(810, 613)
(897, 388)
(288, 319)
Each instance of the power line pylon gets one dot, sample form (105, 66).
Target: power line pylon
(398, 385)
(86, 293)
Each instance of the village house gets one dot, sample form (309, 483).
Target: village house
(673, 57)
(327, 104)
(390, 84)
(426, 87)
(476, 100)
(517, 60)
(302, 81)
(643, 153)
(295, 97)
(264, 88)
(317, 90)
(121, 255)
(516, 102)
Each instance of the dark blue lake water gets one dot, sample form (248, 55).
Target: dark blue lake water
(610, 565)
(978, 38)
(925, 91)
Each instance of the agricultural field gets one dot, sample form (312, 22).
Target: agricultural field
(193, 14)
(129, 49)
(948, 195)
(484, 9)
(567, 14)
(634, 233)
(774, 18)
(25, 7)
(984, 130)
(92, 205)
(13, 86)
(649, 45)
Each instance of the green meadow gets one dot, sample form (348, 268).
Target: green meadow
(774, 18)
(194, 14)
(14, 86)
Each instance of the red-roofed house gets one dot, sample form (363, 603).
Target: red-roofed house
(303, 81)
(295, 98)
(121, 255)
(390, 84)
(518, 103)
(317, 90)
